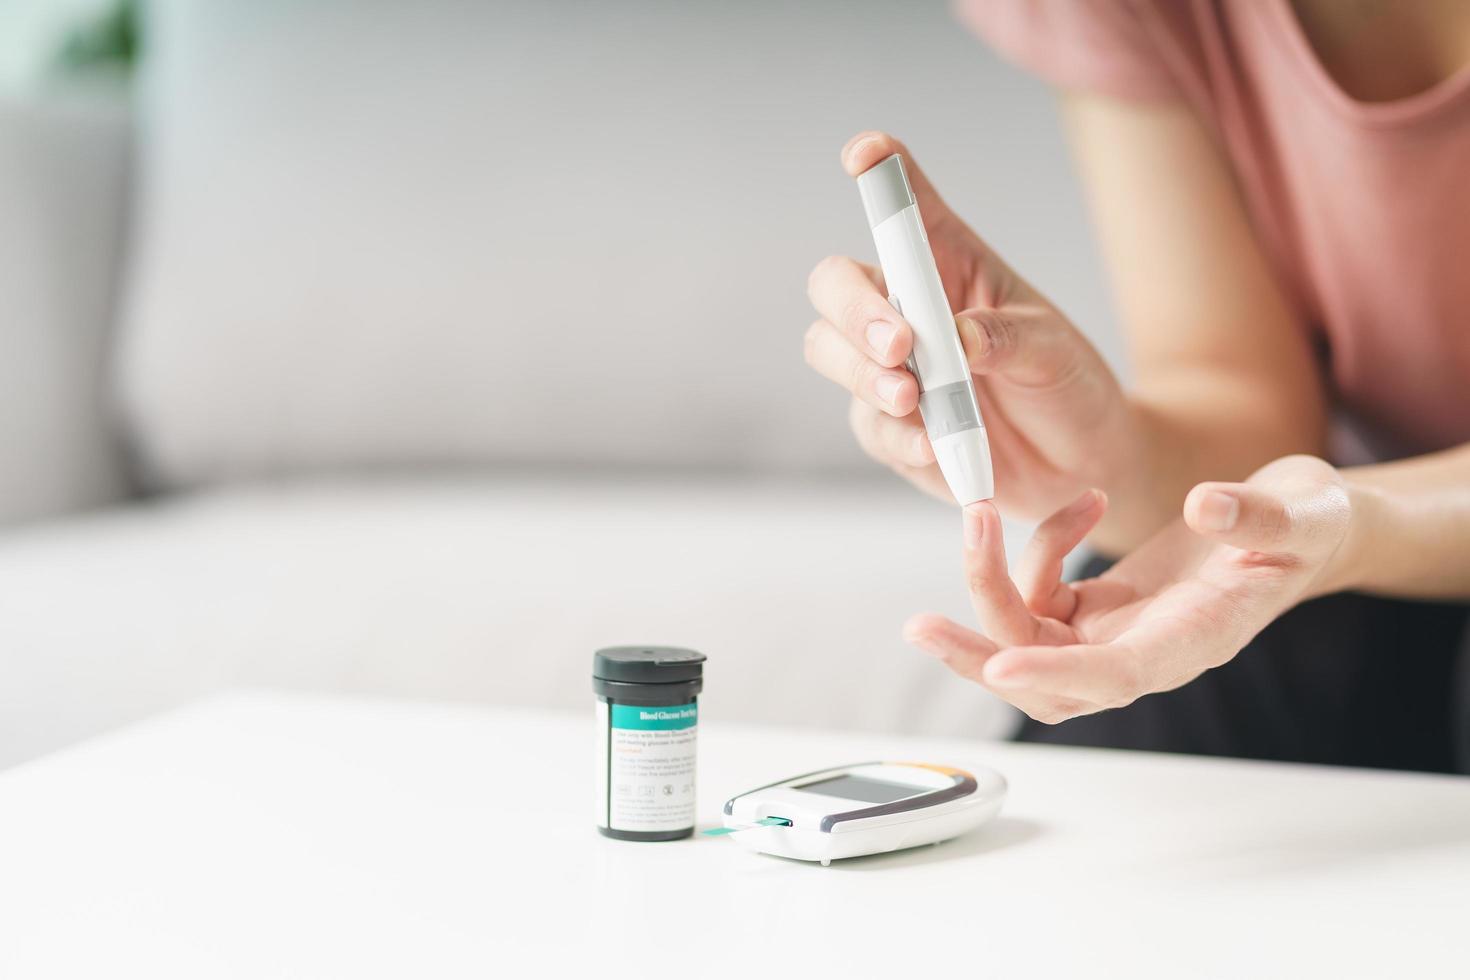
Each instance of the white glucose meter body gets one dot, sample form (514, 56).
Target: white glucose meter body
(947, 400)
(867, 808)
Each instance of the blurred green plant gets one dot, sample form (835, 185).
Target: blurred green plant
(105, 42)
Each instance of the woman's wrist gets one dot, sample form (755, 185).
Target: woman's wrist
(1346, 570)
(1143, 479)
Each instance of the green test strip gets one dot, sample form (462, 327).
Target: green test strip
(766, 822)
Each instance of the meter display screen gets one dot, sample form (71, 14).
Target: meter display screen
(863, 789)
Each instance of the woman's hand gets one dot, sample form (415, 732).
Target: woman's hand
(1055, 415)
(1187, 600)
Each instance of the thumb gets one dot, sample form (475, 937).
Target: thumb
(1027, 344)
(1300, 515)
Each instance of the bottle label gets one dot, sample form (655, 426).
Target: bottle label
(646, 782)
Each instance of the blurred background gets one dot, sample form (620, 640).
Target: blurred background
(420, 347)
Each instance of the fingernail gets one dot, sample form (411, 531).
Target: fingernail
(859, 144)
(923, 451)
(1088, 498)
(975, 342)
(1218, 511)
(881, 335)
(887, 387)
(974, 528)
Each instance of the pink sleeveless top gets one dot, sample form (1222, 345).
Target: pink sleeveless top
(1362, 208)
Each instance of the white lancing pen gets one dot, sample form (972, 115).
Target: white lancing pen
(946, 392)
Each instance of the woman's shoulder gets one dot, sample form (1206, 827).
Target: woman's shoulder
(1134, 49)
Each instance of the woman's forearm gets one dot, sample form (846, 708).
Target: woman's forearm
(1226, 376)
(1410, 530)
(1201, 426)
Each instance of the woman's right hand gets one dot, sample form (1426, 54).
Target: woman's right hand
(1055, 415)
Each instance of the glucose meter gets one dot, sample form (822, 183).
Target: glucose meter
(865, 808)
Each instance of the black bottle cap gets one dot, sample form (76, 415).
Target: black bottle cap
(648, 665)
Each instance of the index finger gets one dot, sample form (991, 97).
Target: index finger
(998, 605)
(847, 294)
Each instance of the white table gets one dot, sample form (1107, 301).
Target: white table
(274, 835)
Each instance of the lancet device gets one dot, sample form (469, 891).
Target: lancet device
(866, 808)
(946, 393)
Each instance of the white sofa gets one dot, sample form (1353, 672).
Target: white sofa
(421, 348)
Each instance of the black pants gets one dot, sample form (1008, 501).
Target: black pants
(1347, 679)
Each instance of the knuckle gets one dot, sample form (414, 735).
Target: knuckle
(1046, 539)
(978, 578)
(858, 312)
(1129, 682)
(861, 419)
(889, 435)
(864, 374)
(911, 443)
(1047, 597)
(1274, 522)
(823, 270)
(811, 342)
(961, 665)
(998, 333)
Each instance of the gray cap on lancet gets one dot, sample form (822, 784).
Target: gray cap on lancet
(885, 190)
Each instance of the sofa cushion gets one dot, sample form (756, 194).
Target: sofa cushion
(487, 589)
(536, 232)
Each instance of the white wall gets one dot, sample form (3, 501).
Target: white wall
(648, 179)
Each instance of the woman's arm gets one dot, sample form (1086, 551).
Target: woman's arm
(1224, 376)
(1196, 593)
(1410, 529)
(1225, 381)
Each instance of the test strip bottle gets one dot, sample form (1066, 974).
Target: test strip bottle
(647, 726)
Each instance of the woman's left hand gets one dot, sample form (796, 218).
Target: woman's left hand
(1187, 600)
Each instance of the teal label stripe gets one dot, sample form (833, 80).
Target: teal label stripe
(663, 718)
